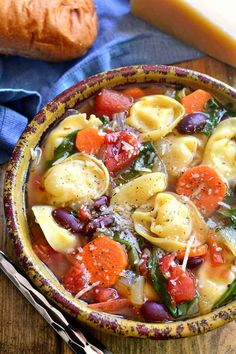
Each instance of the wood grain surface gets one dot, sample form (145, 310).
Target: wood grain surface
(24, 331)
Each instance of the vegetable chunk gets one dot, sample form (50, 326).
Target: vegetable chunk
(104, 259)
(195, 101)
(203, 185)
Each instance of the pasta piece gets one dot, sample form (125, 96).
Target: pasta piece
(155, 116)
(60, 239)
(68, 125)
(78, 178)
(178, 152)
(200, 229)
(227, 235)
(172, 217)
(220, 150)
(170, 223)
(141, 189)
(212, 285)
(168, 226)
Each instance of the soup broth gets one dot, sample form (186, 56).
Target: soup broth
(131, 202)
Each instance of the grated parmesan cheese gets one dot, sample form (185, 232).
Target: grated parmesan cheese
(186, 255)
(61, 159)
(86, 289)
(224, 205)
(211, 224)
(126, 146)
(36, 155)
(197, 191)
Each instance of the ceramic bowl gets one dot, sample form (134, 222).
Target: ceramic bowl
(15, 201)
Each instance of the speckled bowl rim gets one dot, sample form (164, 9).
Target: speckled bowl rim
(15, 208)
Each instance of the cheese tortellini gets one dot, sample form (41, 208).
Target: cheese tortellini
(60, 239)
(141, 189)
(212, 285)
(68, 125)
(80, 177)
(155, 116)
(178, 152)
(220, 150)
(170, 223)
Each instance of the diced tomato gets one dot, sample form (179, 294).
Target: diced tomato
(41, 247)
(109, 102)
(43, 251)
(215, 250)
(74, 257)
(101, 294)
(180, 285)
(76, 278)
(143, 266)
(122, 148)
(119, 307)
(166, 262)
(54, 260)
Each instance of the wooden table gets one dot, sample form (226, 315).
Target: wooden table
(24, 331)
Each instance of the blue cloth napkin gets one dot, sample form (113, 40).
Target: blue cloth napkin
(26, 85)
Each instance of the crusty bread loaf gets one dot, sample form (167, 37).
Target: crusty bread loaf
(51, 30)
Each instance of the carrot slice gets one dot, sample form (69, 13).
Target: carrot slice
(203, 185)
(112, 306)
(195, 101)
(88, 140)
(135, 92)
(104, 259)
(198, 251)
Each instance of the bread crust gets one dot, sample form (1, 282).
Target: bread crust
(51, 30)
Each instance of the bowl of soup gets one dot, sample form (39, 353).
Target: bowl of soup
(120, 201)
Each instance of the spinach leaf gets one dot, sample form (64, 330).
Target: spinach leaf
(66, 148)
(231, 214)
(126, 177)
(143, 163)
(131, 244)
(159, 281)
(105, 121)
(160, 285)
(146, 157)
(228, 296)
(215, 112)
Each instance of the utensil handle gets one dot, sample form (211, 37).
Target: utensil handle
(73, 337)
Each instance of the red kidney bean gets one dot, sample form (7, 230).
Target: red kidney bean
(192, 123)
(101, 202)
(66, 219)
(154, 312)
(194, 262)
(101, 221)
(84, 214)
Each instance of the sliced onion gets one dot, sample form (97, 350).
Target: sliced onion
(137, 291)
(227, 235)
(150, 293)
(132, 287)
(124, 283)
(118, 120)
(36, 155)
